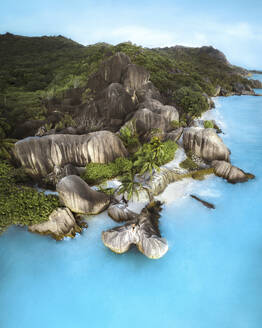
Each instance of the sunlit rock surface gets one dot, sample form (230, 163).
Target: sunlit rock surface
(61, 223)
(206, 144)
(142, 231)
(75, 194)
(231, 173)
(39, 155)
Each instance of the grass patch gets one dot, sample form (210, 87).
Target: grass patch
(188, 164)
(197, 175)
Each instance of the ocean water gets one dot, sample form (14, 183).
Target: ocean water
(210, 277)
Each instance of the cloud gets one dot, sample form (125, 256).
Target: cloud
(143, 35)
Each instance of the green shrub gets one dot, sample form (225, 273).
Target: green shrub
(19, 204)
(169, 149)
(191, 102)
(175, 124)
(154, 154)
(129, 137)
(98, 172)
(208, 124)
(188, 164)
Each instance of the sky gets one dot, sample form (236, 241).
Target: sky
(232, 26)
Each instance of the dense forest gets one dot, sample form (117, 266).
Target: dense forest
(37, 69)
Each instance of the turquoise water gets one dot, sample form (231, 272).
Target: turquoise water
(211, 276)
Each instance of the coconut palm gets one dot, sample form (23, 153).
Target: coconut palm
(129, 185)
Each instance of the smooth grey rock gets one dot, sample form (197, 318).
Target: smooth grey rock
(39, 155)
(109, 110)
(229, 172)
(205, 143)
(148, 91)
(110, 71)
(170, 113)
(141, 231)
(135, 77)
(75, 194)
(61, 223)
(120, 213)
(174, 135)
(146, 120)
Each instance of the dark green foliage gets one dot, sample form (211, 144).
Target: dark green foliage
(97, 172)
(19, 204)
(35, 70)
(208, 124)
(66, 122)
(175, 124)
(6, 144)
(129, 137)
(154, 154)
(193, 103)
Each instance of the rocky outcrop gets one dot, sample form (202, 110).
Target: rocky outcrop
(59, 173)
(256, 84)
(242, 89)
(111, 71)
(145, 120)
(135, 77)
(148, 91)
(170, 113)
(41, 155)
(75, 194)
(160, 180)
(61, 223)
(142, 231)
(205, 143)
(120, 213)
(109, 110)
(174, 135)
(231, 173)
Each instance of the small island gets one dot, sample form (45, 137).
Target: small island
(98, 125)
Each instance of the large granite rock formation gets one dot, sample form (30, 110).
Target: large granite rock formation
(231, 173)
(142, 231)
(148, 91)
(109, 110)
(40, 155)
(205, 143)
(145, 120)
(174, 135)
(61, 223)
(111, 71)
(135, 77)
(75, 194)
(170, 113)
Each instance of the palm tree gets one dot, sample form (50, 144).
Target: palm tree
(129, 185)
(149, 156)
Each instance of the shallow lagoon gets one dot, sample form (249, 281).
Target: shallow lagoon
(211, 276)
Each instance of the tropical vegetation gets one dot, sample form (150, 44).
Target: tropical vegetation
(19, 204)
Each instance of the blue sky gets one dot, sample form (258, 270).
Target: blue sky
(233, 26)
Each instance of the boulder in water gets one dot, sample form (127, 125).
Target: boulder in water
(231, 173)
(205, 143)
(61, 223)
(142, 231)
(75, 194)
